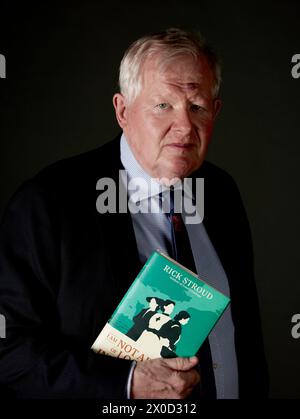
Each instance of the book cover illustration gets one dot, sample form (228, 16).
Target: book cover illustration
(167, 312)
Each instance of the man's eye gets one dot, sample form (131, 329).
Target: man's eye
(162, 106)
(196, 108)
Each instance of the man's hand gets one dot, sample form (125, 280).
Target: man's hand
(163, 378)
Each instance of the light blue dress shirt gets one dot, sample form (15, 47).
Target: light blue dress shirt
(152, 231)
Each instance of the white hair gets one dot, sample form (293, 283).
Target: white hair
(167, 44)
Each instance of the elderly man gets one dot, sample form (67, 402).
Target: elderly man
(65, 266)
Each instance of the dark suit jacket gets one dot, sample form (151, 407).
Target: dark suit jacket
(64, 267)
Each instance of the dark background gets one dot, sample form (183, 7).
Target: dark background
(62, 70)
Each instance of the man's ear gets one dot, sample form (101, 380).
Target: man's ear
(217, 107)
(120, 109)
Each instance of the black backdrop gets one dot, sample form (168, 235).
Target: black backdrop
(62, 67)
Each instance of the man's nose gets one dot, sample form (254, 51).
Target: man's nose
(183, 122)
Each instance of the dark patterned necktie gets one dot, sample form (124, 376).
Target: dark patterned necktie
(182, 252)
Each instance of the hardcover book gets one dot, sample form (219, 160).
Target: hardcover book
(168, 311)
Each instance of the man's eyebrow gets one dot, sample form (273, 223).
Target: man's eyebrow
(186, 86)
(193, 87)
(189, 86)
(160, 96)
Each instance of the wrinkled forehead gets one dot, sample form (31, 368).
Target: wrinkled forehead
(184, 70)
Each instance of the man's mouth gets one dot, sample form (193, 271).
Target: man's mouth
(181, 146)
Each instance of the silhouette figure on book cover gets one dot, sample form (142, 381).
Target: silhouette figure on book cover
(141, 320)
(172, 332)
(154, 327)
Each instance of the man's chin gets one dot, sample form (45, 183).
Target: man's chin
(172, 171)
(170, 178)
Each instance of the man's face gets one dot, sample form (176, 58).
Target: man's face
(169, 125)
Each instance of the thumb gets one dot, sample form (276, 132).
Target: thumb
(181, 363)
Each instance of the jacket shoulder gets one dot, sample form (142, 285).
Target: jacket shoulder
(217, 180)
(96, 162)
(212, 171)
(70, 177)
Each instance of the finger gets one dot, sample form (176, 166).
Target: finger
(195, 378)
(181, 363)
(184, 379)
(188, 392)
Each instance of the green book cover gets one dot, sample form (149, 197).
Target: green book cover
(168, 311)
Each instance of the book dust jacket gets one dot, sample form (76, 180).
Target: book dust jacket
(167, 312)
